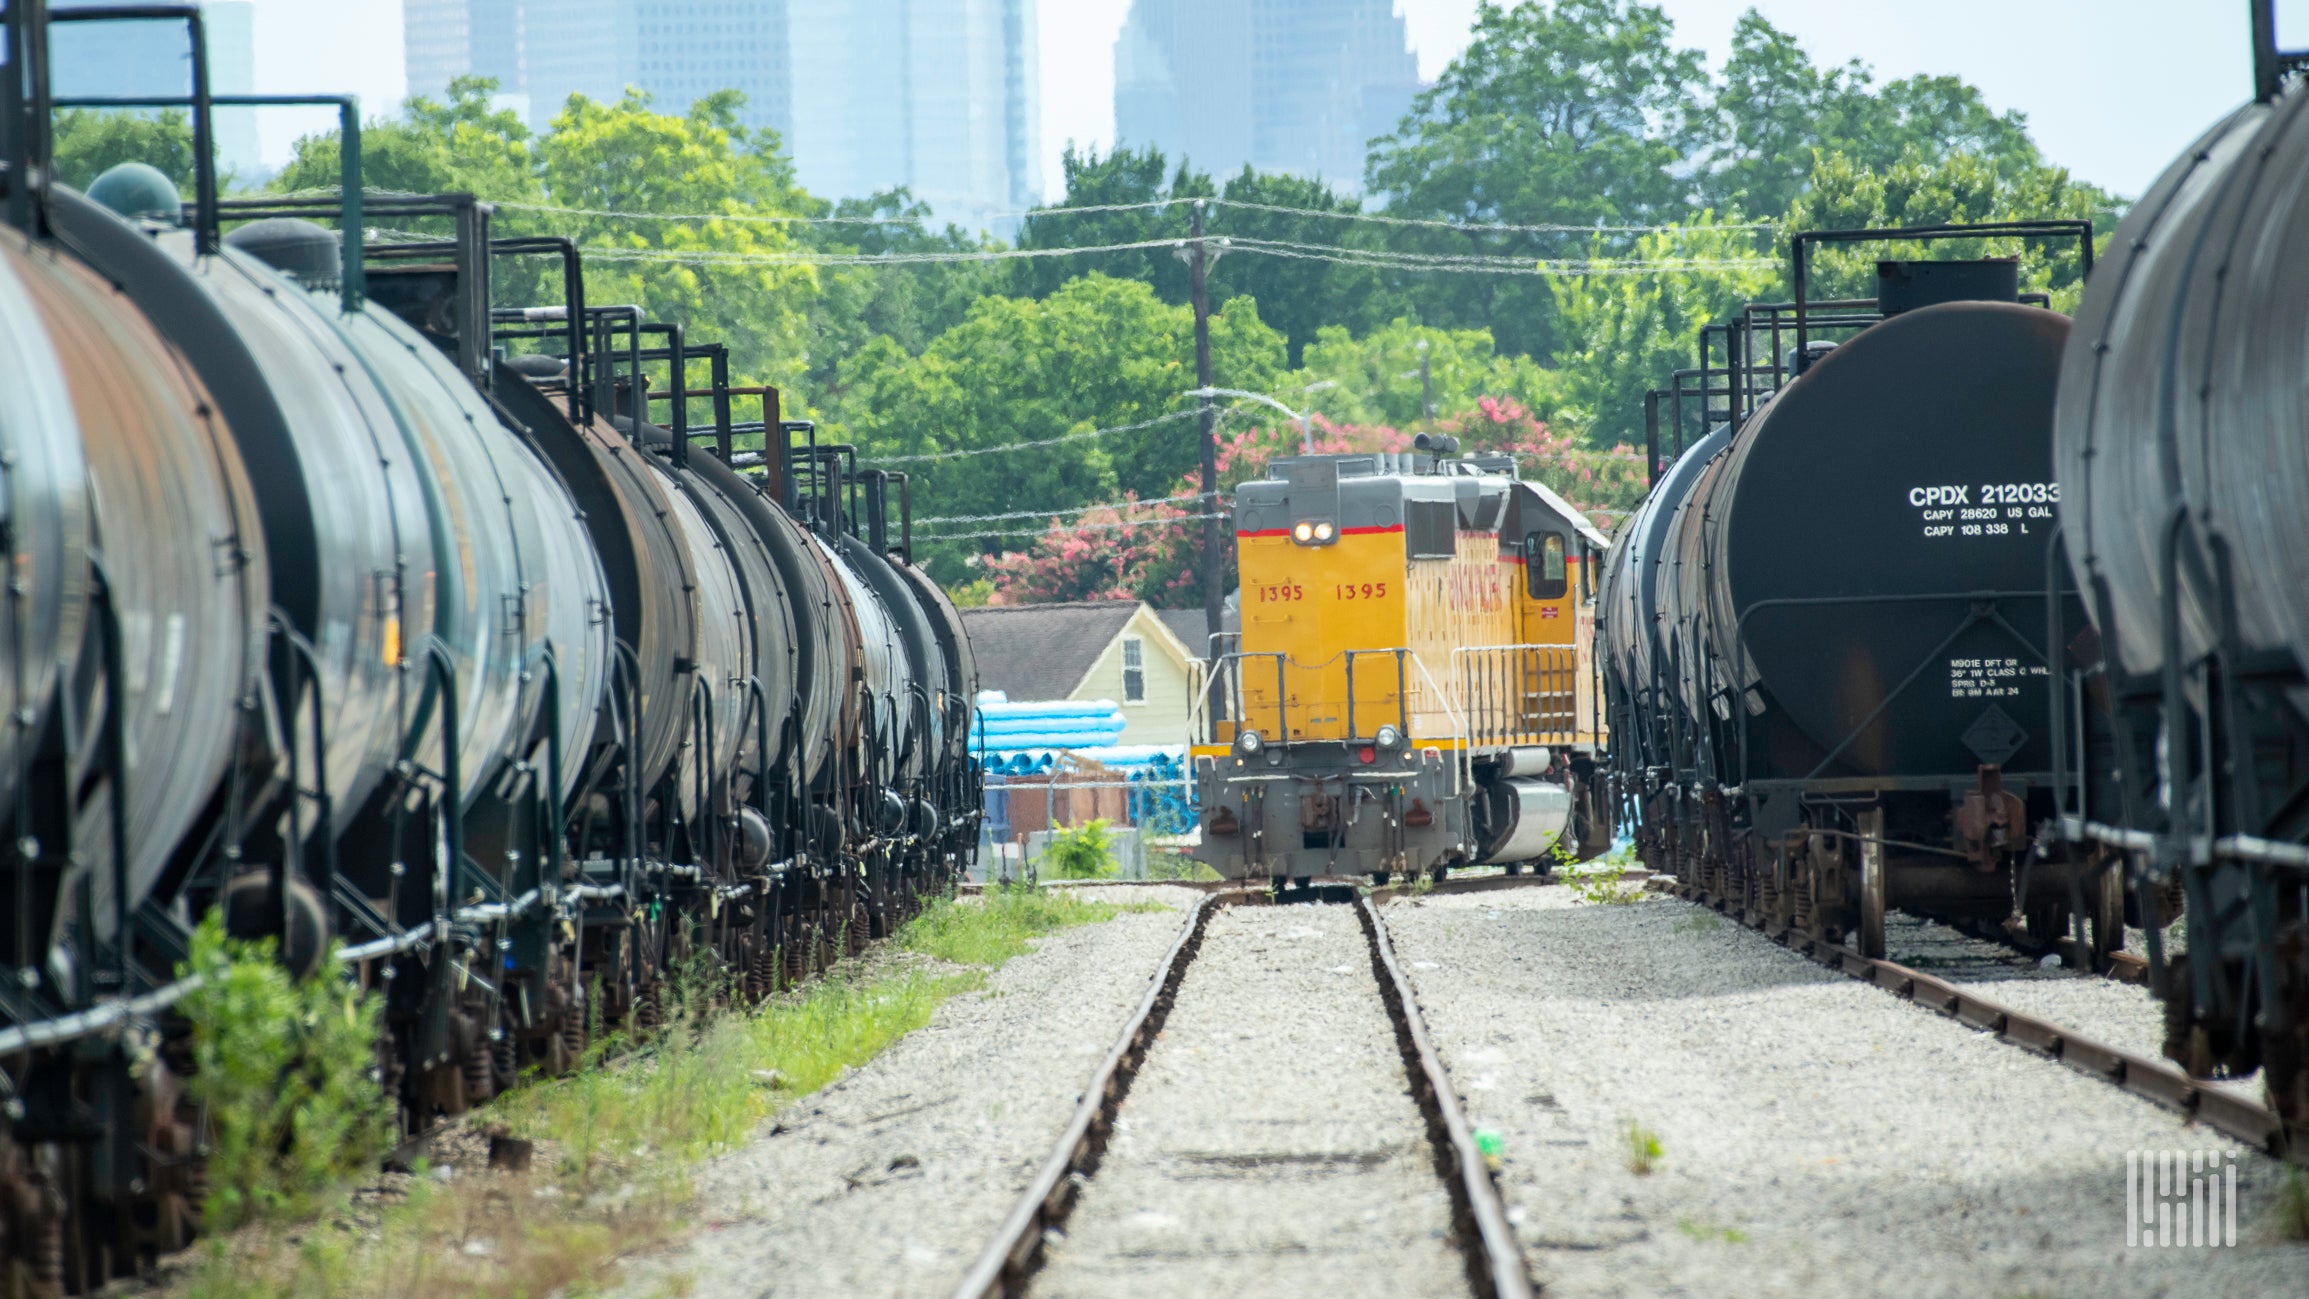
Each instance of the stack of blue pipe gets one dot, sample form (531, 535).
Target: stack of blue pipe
(1004, 727)
(1025, 739)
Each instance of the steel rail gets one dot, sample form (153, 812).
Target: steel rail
(1008, 1262)
(1495, 1267)
(2253, 1124)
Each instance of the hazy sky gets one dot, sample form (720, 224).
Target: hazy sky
(2112, 88)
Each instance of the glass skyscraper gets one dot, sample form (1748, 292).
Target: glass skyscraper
(1297, 86)
(939, 96)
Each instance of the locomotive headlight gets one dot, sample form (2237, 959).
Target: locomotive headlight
(1388, 740)
(1303, 533)
(1323, 530)
(1248, 743)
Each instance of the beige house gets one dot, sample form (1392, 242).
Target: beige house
(1098, 649)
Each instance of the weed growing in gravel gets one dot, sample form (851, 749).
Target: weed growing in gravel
(1707, 1231)
(998, 924)
(1643, 1147)
(2293, 1211)
(284, 1069)
(1702, 923)
(1081, 852)
(615, 1142)
(1178, 866)
(1603, 885)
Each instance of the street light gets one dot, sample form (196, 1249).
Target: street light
(1305, 417)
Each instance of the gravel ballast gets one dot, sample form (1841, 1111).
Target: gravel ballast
(1815, 1134)
(889, 1181)
(2115, 1014)
(1269, 1145)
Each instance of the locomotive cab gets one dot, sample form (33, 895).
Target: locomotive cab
(1412, 688)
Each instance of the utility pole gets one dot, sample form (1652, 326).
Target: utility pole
(1198, 266)
(1426, 388)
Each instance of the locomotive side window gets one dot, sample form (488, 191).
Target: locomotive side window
(1543, 567)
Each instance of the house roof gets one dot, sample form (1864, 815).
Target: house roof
(1193, 632)
(1042, 651)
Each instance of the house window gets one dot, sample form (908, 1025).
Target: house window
(1134, 669)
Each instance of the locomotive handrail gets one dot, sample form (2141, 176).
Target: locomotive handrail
(1561, 661)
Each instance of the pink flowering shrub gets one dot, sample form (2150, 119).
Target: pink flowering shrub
(1153, 552)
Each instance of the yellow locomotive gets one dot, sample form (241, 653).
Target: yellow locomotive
(1413, 687)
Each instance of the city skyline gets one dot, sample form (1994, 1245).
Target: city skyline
(2133, 83)
(1294, 86)
(936, 96)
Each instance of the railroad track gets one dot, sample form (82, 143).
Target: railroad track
(1478, 1228)
(2254, 1124)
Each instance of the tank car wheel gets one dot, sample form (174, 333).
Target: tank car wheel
(1438, 873)
(1873, 890)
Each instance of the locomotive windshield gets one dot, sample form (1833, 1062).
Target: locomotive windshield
(1543, 565)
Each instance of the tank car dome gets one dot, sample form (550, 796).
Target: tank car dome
(138, 190)
(302, 249)
(537, 365)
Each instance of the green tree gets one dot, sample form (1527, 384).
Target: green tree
(88, 142)
(461, 145)
(1299, 296)
(1578, 113)
(1126, 178)
(1779, 112)
(1846, 195)
(1378, 378)
(908, 303)
(1098, 353)
(1627, 333)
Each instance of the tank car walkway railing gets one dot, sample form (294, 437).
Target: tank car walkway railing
(1520, 694)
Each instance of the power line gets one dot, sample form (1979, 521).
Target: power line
(1482, 227)
(1078, 527)
(1463, 263)
(1054, 514)
(1095, 209)
(967, 452)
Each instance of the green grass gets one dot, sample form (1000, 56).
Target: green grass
(1644, 1151)
(1082, 852)
(2293, 1207)
(999, 923)
(1703, 1231)
(1179, 866)
(617, 1141)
